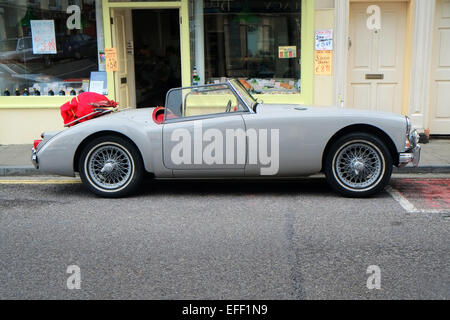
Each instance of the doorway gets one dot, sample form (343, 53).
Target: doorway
(149, 55)
(440, 74)
(157, 59)
(376, 57)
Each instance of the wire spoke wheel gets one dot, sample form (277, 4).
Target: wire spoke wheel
(110, 166)
(358, 165)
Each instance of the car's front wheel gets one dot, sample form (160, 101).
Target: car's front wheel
(358, 165)
(111, 166)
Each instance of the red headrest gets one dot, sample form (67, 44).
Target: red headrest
(158, 115)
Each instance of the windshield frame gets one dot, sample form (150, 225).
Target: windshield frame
(243, 94)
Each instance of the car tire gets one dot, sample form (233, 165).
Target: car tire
(358, 165)
(111, 167)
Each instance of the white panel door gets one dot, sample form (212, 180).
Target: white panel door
(440, 86)
(122, 38)
(376, 58)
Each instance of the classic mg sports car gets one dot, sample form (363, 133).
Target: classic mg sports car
(221, 131)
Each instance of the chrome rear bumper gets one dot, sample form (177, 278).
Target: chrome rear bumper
(412, 156)
(34, 158)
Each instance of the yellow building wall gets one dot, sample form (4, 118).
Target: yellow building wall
(323, 85)
(22, 126)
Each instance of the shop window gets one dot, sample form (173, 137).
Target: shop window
(46, 49)
(256, 41)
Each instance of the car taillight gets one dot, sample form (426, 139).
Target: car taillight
(36, 143)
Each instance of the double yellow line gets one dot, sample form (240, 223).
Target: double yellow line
(40, 181)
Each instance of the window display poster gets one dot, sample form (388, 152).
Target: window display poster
(111, 59)
(286, 52)
(323, 62)
(43, 36)
(324, 39)
(97, 82)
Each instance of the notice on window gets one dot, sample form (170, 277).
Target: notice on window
(97, 82)
(324, 39)
(323, 62)
(43, 36)
(111, 59)
(286, 52)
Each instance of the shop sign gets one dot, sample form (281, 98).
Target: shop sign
(97, 82)
(324, 39)
(43, 36)
(252, 7)
(111, 59)
(286, 52)
(323, 62)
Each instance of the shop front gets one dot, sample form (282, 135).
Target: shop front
(379, 55)
(50, 50)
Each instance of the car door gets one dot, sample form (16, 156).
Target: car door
(204, 132)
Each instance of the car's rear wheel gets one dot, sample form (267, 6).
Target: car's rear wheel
(358, 165)
(111, 166)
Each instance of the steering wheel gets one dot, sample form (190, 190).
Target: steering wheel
(228, 109)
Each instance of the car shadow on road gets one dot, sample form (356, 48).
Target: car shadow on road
(309, 186)
(316, 186)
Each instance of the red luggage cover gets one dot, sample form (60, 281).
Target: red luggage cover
(80, 106)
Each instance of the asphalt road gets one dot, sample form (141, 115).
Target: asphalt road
(218, 240)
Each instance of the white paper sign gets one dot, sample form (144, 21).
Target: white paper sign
(43, 35)
(96, 86)
(324, 39)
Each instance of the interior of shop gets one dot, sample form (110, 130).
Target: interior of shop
(157, 61)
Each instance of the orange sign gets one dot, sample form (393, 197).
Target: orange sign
(111, 59)
(323, 62)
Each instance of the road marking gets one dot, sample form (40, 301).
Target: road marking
(407, 205)
(54, 181)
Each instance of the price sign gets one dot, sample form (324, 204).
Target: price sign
(111, 59)
(323, 62)
(43, 36)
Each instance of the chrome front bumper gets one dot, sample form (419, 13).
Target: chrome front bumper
(34, 158)
(412, 156)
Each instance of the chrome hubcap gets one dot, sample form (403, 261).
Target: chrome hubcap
(358, 165)
(110, 167)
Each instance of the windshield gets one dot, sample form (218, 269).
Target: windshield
(243, 93)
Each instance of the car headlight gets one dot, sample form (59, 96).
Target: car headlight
(414, 138)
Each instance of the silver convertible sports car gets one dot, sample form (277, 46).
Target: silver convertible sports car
(221, 131)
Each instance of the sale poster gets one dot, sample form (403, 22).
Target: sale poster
(323, 62)
(324, 39)
(43, 36)
(111, 59)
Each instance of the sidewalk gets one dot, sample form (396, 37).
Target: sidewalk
(435, 158)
